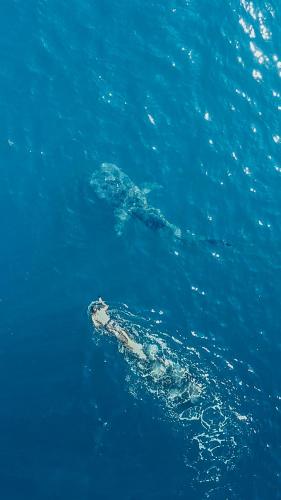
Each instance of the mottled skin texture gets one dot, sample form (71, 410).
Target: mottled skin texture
(127, 199)
(115, 187)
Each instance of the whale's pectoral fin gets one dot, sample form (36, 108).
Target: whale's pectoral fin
(121, 218)
(147, 187)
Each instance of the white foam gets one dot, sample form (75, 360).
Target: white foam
(191, 392)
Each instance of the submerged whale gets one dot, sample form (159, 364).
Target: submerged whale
(111, 184)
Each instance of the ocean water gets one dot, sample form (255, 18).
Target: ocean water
(185, 95)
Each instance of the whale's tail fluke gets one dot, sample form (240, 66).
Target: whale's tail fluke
(216, 242)
(189, 238)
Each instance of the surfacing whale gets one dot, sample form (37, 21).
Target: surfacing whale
(111, 184)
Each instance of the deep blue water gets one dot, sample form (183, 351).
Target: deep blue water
(187, 95)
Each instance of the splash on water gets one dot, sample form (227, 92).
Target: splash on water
(191, 393)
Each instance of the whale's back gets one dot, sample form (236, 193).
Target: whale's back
(111, 184)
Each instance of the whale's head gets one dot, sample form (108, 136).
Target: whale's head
(110, 183)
